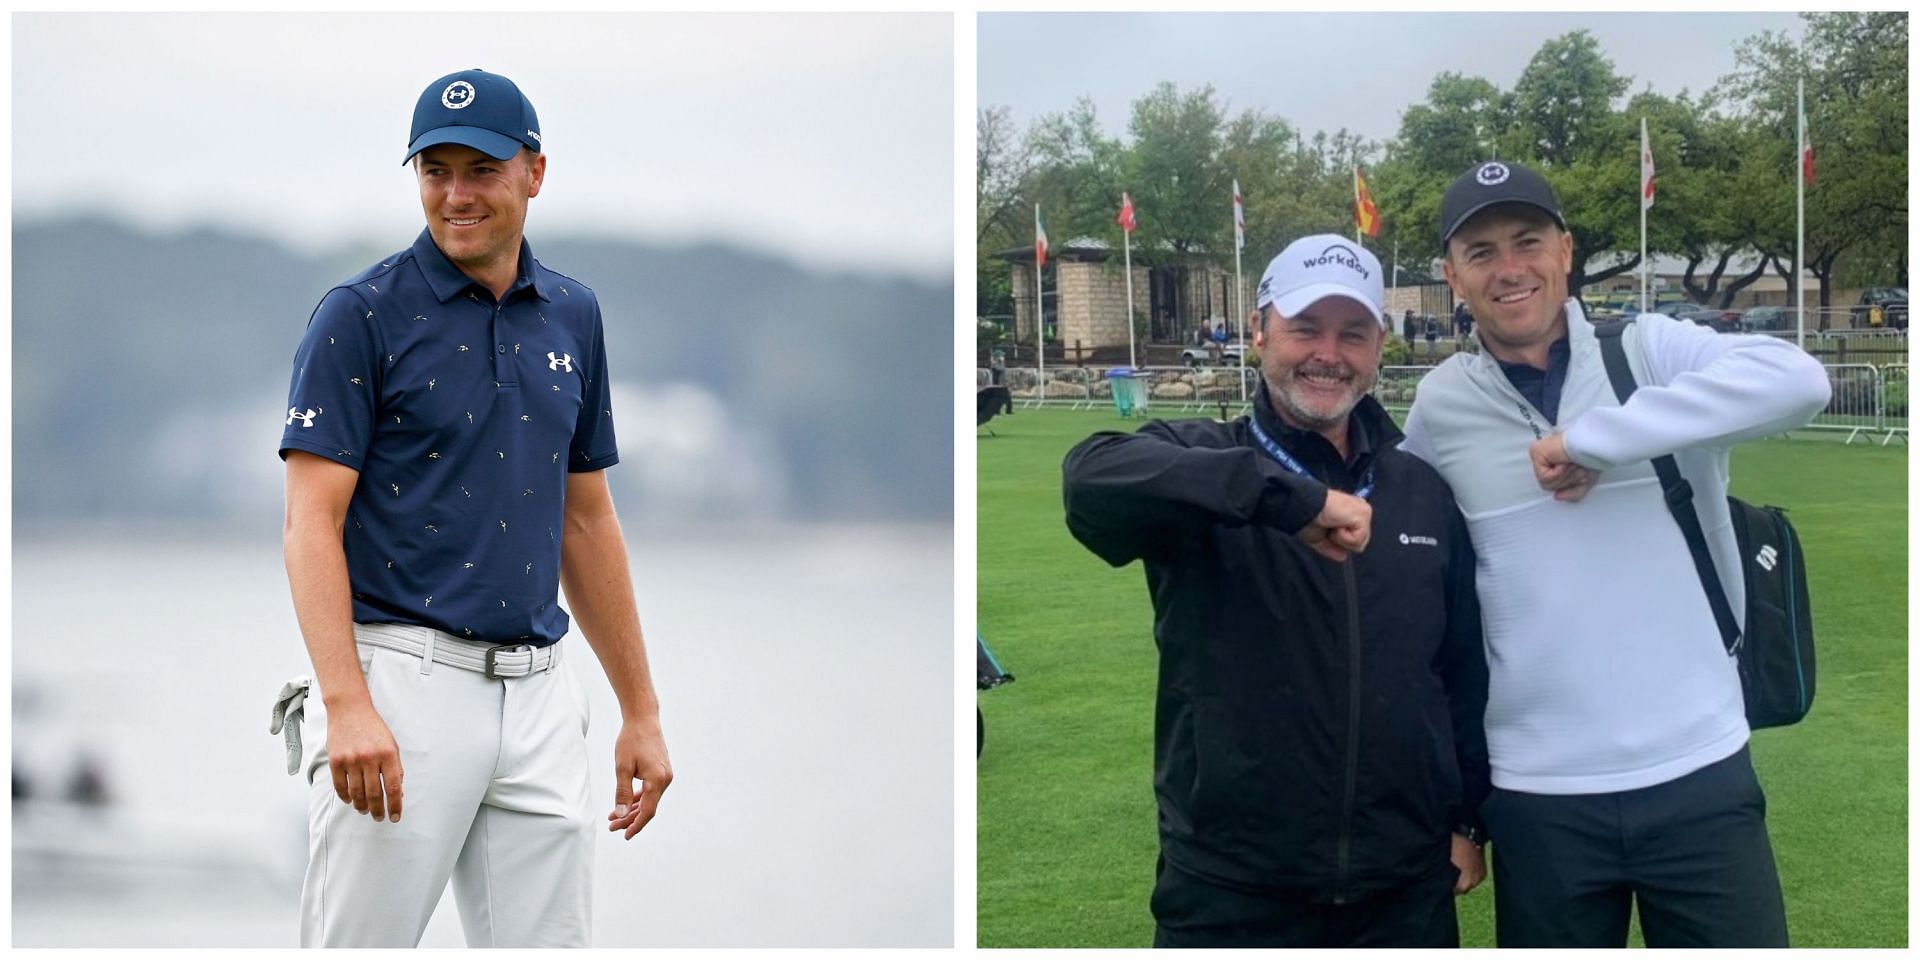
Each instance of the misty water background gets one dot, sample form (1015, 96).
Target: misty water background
(763, 206)
(786, 489)
(805, 674)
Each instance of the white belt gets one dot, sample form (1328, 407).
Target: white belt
(495, 660)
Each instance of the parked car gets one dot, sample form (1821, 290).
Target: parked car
(1715, 318)
(1768, 320)
(1892, 302)
(1632, 309)
(1615, 302)
(1203, 356)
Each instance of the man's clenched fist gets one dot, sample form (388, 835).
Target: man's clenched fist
(1556, 472)
(1342, 528)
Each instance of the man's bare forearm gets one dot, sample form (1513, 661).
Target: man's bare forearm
(322, 600)
(593, 570)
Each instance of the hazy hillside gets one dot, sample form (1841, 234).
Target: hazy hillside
(150, 373)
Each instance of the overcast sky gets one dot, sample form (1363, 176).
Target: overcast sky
(1323, 72)
(824, 138)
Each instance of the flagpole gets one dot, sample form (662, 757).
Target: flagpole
(1239, 301)
(1240, 310)
(1646, 266)
(1800, 213)
(1039, 312)
(1126, 235)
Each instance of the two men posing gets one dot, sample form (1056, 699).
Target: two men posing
(1378, 652)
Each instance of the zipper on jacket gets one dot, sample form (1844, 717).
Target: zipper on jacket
(1353, 731)
(1511, 393)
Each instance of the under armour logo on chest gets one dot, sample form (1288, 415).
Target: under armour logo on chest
(562, 361)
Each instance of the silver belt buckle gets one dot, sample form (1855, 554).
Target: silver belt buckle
(493, 661)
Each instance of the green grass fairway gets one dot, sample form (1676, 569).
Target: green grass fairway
(1066, 811)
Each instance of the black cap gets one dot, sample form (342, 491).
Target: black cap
(1495, 181)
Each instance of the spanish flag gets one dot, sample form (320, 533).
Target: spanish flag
(1365, 214)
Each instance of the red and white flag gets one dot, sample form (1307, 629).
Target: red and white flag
(1646, 168)
(1239, 218)
(1126, 213)
(1806, 149)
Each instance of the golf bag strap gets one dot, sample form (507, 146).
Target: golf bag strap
(1679, 493)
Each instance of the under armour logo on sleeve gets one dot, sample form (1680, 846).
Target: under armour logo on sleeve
(306, 419)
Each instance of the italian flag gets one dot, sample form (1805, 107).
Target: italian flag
(1039, 240)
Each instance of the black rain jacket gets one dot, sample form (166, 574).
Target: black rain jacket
(1318, 728)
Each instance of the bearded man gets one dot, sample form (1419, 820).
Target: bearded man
(1318, 754)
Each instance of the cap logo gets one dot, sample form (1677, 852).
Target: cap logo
(1491, 173)
(457, 96)
(1341, 254)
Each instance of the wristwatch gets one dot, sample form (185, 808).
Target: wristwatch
(1474, 835)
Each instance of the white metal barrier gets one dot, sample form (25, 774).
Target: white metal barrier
(1182, 389)
(1893, 401)
(1396, 387)
(1855, 404)
(1866, 399)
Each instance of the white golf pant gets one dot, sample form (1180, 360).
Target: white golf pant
(495, 798)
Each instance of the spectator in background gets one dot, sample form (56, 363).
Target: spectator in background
(1433, 335)
(1407, 327)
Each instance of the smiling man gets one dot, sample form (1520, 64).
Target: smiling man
(1614, 721)
(446, 435)
(1318, 756)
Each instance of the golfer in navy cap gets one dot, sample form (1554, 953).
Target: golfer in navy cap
(446, 433)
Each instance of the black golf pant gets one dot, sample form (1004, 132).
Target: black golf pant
(1191, 912)
(1693, 852)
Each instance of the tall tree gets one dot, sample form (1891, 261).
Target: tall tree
(1459, 125)
(1566, 123)
(1175, 165)
(1854, 65)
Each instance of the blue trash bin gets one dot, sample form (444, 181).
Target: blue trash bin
(1129, 391)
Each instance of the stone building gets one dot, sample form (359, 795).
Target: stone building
(1086, 299)
(1174, 303)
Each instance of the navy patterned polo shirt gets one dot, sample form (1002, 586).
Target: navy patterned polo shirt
(464, 417)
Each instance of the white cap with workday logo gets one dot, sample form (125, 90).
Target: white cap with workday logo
(1323, 265)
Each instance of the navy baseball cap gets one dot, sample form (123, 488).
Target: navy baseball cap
(1495, 181)
(475, 109)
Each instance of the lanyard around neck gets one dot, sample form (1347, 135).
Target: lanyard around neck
(1286, 459)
